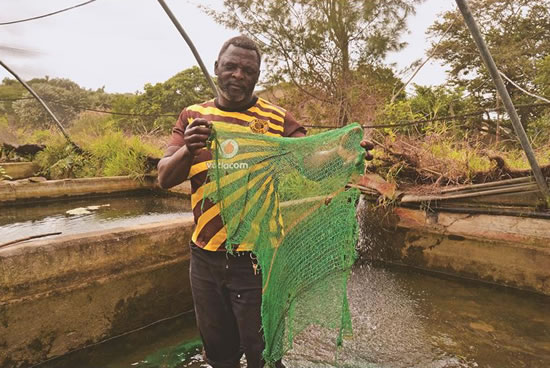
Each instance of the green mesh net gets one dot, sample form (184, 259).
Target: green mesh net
(285, 199)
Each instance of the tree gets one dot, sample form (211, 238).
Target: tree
(63, 96)
(10, 91)
(371, 87)
(168, 98)
(318, 44)
(543, 76)
(518, 34)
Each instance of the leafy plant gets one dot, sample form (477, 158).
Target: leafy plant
(109, 155)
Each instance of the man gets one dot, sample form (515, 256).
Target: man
(227, 288)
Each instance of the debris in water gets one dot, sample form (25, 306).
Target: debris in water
(85, 210)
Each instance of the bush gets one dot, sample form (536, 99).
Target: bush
(59, 160)
(120, 155)
(108, 155)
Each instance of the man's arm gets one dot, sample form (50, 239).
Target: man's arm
(174, 167)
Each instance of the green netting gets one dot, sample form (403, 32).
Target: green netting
(173, 356)
(285, 199)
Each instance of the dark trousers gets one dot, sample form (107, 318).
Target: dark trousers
(227, 297)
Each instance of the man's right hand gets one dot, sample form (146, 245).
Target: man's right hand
(196, 134)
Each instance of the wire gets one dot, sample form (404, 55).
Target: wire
(402, 123)
(121, 113)
(424, 121)
(47, 15)
(89, 108)
(523, 90)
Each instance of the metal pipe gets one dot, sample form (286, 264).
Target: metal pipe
(503, 93)
(31, 91)
(191, 46)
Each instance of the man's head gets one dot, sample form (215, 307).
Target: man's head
(238, 70)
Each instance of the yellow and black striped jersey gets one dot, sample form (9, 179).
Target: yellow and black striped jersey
(210, 233)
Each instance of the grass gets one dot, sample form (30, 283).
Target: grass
(459, 159)
(108, 151)
(425, 159)
(111, 152)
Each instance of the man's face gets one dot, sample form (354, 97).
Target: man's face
(238, 71)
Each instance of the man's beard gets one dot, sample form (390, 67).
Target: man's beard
(224, 89)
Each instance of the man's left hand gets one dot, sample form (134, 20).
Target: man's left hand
(368, 146)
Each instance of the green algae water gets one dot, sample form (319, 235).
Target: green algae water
(401, 319)
(74, 216)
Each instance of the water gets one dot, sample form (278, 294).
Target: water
(91, 214)
(401, 318)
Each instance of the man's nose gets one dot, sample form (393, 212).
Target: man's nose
(238, 73)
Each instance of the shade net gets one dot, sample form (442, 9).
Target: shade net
(285, 199)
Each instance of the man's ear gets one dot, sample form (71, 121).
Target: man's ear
(216, 67)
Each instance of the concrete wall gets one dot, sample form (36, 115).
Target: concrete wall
(20, 191)
(20, 170)
(506, 250)
(64, 294)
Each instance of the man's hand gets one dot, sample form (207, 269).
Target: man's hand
(196, 135)
(368, 146)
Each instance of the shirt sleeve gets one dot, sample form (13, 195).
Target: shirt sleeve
(292, 128)
(177, 131)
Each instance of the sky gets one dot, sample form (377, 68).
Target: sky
(123, 44)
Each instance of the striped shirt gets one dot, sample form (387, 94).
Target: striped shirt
(210, 233)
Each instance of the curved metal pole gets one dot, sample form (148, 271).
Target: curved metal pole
(31, 91)
(191, 46)
(503, 92)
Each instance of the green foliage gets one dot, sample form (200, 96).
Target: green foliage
(42, 136)
(516, 159)
(429, 103)
(396, 113)
(154, 110)
(518, 35)
(59, 160)
(317, 45)
(539, 130)
(111, 154)
(10, 89)
(91, 125)
(461, 158)
(168, 98)
(63, 96)
(119, 155)
(370, 88)
(543, 76)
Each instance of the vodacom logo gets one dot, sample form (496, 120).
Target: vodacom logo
(229, 148)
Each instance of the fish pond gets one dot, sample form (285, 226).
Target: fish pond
(401, 318)
(74, 216)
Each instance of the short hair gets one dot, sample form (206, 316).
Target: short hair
(242, 42)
